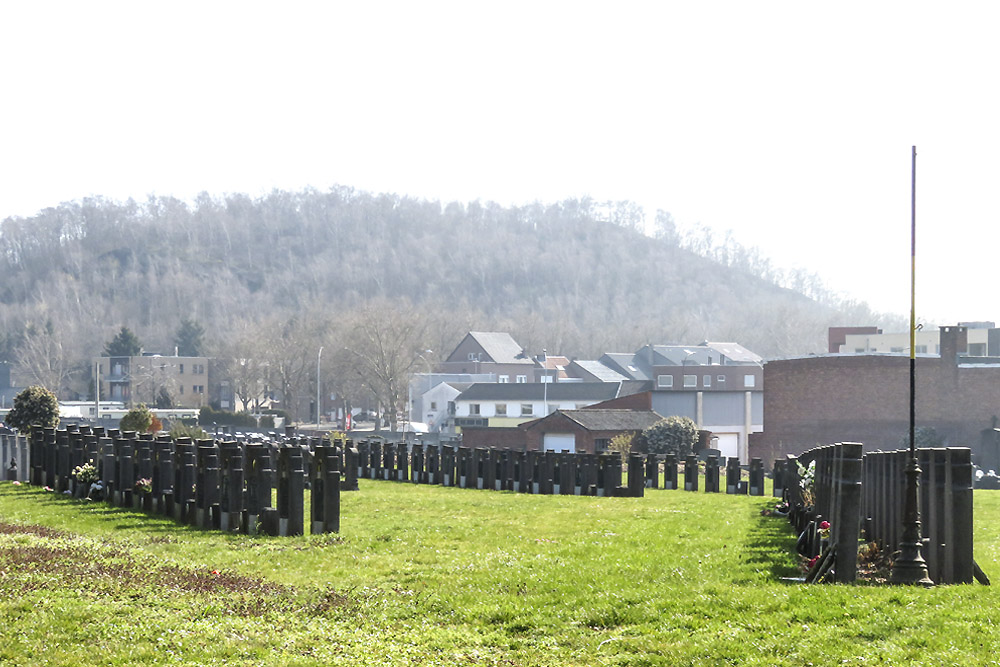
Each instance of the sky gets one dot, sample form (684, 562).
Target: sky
(788, 124)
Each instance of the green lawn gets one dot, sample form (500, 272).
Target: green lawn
(434, 576)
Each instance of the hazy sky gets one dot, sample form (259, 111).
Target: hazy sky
(789, 123)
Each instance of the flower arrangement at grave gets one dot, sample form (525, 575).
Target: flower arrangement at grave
(807, 482)
(85, 473)
(144, 485)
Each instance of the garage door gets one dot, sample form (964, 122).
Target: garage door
(557, 442)
(728, 444)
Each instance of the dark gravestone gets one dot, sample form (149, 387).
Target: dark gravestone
(350, 466)
(636, 475)
(326, 492)
(257, 472)
(49, 457)
(587, 475)
(448, 466)
(712, 474)
(126, 469)
(231, 479)
(490, 461)
(417, 474)
(364, 459)
(63, 468)
(388, 461)
(756, 477)
(670, 471)
(375, 459)
(567, 474)
(184, 478)
(433, 456)
(291, 490)
(691, 473)
(779, 478)
(522, 471)
(547, 480)
(732, 475)
(507, 466)
(475, 468)
(652, 471)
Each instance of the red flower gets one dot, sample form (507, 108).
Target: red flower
(824, 525)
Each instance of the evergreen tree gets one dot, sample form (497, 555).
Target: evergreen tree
(190, 339)
(125, 344)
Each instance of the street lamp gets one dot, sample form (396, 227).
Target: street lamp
(319, 358)
(910, 567)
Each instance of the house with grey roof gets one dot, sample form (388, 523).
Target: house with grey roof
(506, 405)
(587, 431)
(493, 352)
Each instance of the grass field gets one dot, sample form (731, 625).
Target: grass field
(434, 576)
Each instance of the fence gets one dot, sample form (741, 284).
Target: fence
(849, 487)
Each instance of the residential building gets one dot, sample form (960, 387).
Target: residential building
(145, 378)
(492, 352)
(506, 405)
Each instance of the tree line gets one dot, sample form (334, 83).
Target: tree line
(270, 280)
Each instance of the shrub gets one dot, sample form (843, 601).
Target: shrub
(35, 405)
(673, 435)
(138, 419)
(622, 443)
(182, 430)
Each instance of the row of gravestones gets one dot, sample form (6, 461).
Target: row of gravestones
(548, 472)
(225, 485)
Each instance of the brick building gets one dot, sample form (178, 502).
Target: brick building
(865, 398)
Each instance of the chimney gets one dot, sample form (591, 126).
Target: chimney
(954, 342)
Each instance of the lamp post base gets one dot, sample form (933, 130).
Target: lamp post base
(910, 568)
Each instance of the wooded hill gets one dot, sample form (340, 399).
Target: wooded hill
(575, 278)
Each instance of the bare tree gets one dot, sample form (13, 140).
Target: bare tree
(43, 358)
(387, 341)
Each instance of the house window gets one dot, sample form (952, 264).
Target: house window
(720, 378)
(706, 381)
(601, 444)
(526, 410)
(198, 389)
(474, 408)
(921, 349)
(501, 409)
(434, 405)
(180, 389)
(472, 356)
(749, 381)
(859, 350)
(690, 380)
(976, 349)
(522, 379)
(896, 350)
(504, 379)
(665, 381)
(181, 371)
(548, 379)
(198, 369)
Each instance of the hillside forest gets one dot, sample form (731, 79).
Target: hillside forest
(385, 284)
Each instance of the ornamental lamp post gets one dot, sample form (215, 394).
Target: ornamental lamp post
(910, 567)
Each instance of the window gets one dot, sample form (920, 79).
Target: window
(472, 356)
(198, 369)
(198, 389)
(690, 380)
(181, 369)
(526, 410)
(548, 379)
(665, 381)
(180, 389)
(977, 349)
(504, 379)
(601, 444)
(522, 379)
(474, 408)
(859, 350)
(434, 405)
(749, 381)
(501, 409)
(896, 350)
(720, 379)
(921, 349)
(706, 381)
